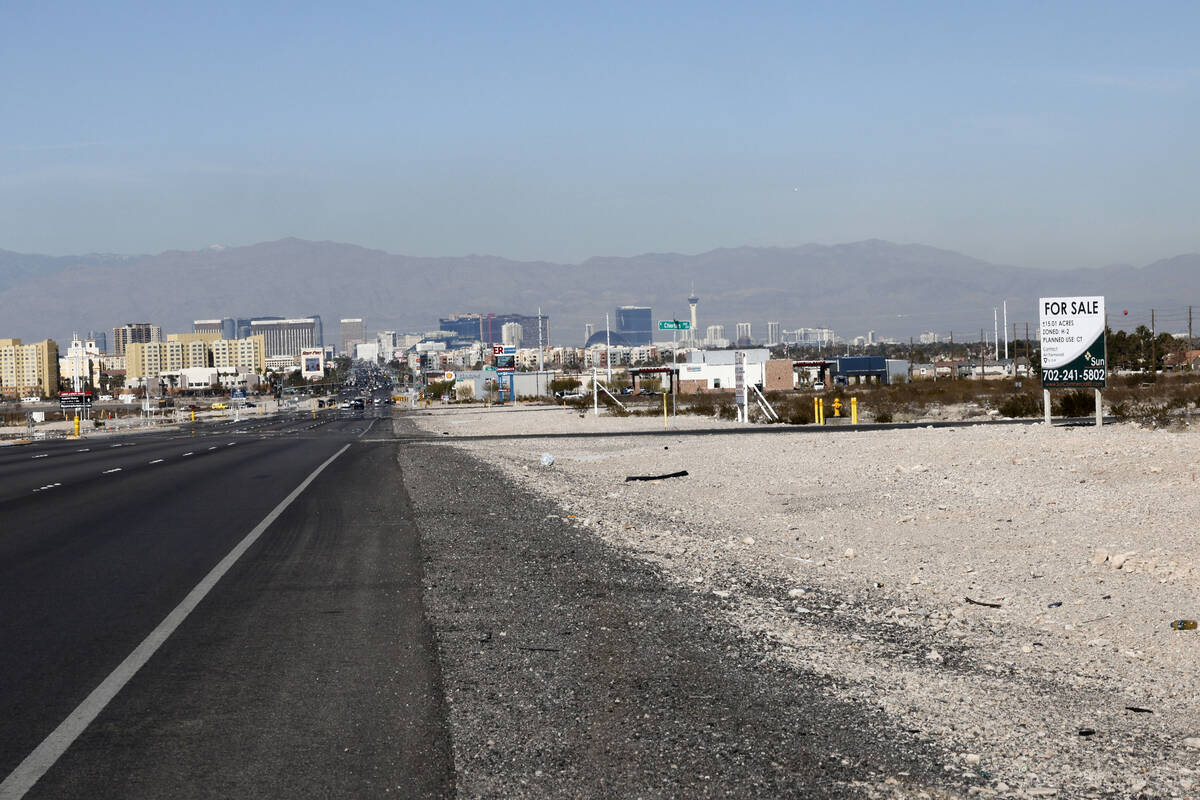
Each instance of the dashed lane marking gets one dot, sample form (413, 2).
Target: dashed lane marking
(158, 461)
(110, 471)
(40, 455)
(185, 455)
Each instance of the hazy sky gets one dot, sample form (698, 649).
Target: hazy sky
(1037, 134)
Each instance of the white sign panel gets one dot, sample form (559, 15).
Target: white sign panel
(1072, 339)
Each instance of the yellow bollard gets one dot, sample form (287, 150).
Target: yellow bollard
(817, 410)
(193, 416)
(853, 410)
(820, 410)
(76, 424)
(664, 409)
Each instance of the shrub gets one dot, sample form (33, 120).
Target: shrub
(1021, 405)
(1076, 403)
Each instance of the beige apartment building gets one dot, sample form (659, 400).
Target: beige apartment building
(189, 350)
(28, 369)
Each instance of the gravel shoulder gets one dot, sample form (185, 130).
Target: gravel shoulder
(850, 557)
(573, 668)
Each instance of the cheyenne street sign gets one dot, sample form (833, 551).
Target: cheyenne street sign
(674, 325)
(1073, 347)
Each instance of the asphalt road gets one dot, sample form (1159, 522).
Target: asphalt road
(306, 670)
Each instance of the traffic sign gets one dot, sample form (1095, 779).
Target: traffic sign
(674, 325)
(449, 375)
(75, 399)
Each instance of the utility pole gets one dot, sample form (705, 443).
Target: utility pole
(1006, 330)
(954, 364)
(608, 348)
(1028, 355)
(996, 332)
(1153, 346)
(982, 355)
(540, 361)
(1189, 336)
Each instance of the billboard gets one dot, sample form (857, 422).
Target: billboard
(312, 362)
(1073, 346)
(506, 357)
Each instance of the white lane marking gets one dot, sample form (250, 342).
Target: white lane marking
(116, 445)
(47, 486)
(158, 461)
(40, 455)
(185, 455)
(84, 450)
(214, 447)
(35, 765)
(231, 444)
(110, 471)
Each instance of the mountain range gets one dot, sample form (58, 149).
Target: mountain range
(897, 290)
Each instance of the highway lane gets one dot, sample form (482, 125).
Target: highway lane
(53, 466)
(89, 568)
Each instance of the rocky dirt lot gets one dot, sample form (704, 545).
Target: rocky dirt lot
(1003, 594)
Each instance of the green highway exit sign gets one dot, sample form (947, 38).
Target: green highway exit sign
(674, 325)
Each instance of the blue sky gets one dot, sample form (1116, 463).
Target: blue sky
(1045, 135)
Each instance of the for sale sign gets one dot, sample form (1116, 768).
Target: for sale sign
(1073, 348)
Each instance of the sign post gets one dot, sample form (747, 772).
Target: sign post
(674, 325)
(506, 364)
(739, 385)
(1074, 354)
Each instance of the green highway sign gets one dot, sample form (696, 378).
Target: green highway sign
(674, 325)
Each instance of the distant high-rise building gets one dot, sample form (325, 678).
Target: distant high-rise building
(588, 330)
(714, 336)
(135, 332)
(773, 334)
(635, 324)
(512, 334)
(810, 336)
(354, 332)
(229, 328)
(101, 340)
(487, 327)
(28, 369)
(744, 338)
(287, 337)
(870, 337)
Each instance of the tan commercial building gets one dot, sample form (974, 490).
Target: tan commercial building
(250, 353)
(28, 369)
(191, 350)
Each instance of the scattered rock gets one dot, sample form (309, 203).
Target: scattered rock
(849, 553)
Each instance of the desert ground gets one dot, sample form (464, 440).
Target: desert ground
(1004, 593)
